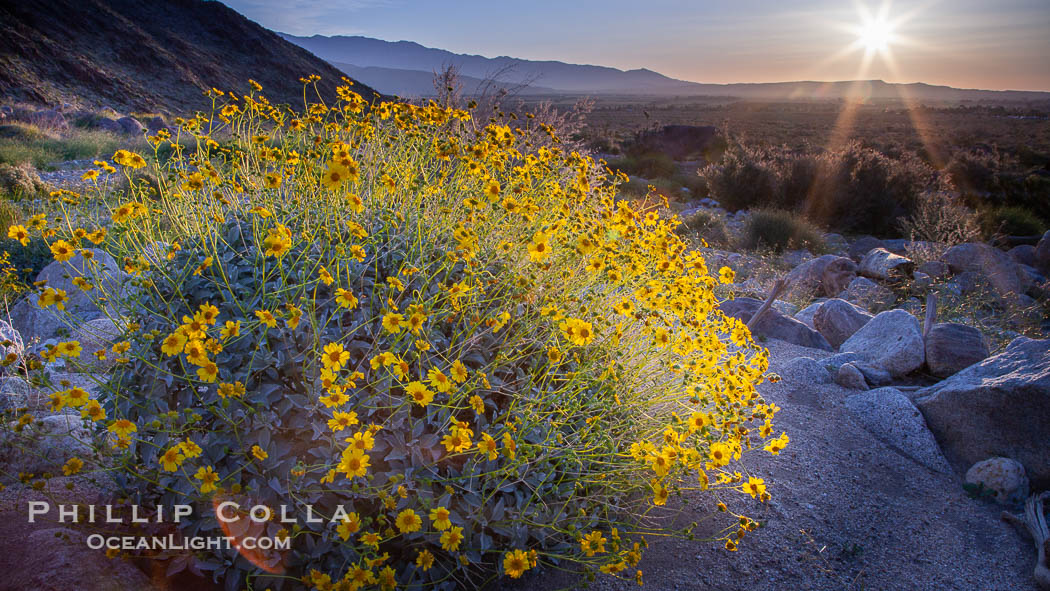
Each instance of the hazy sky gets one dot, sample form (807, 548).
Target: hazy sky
(993, 44)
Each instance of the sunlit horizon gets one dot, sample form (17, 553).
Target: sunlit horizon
(963, 44)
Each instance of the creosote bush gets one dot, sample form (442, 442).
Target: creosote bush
(458, 349)
(851, 189)
(780, 230)
(744, 179)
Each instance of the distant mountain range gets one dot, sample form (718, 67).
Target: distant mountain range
(146, 55)
(407, 69)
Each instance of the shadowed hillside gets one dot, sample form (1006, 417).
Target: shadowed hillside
(156, 55)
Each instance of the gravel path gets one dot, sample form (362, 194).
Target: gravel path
(848, 513)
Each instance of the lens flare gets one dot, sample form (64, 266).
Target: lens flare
(876, 35)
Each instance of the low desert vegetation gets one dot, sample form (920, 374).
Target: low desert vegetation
(27, 144)
(778, 230)
(444, 334)
(853, 189)
(706, 227)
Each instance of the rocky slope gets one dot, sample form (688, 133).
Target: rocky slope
(145, 56)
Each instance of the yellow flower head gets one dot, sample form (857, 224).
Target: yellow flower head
(407, 521)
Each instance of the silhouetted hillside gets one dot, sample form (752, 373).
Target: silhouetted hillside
(401, 65)
(145, 54)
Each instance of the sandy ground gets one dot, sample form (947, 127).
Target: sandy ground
(848, 513)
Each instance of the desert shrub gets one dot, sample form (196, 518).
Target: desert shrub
(976, 174)
(385, 315)
(697, 187)
(647, 164)
(743, 179)
(796, 176)
(1036, 191)
(942, 219)
(21, 179)
(1012, 220)
(780, 230)
(861, 190)
(707, 226)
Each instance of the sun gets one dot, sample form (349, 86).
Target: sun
(876, 35)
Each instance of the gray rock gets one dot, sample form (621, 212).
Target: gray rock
(952, 347)
(156, 124)
(15, 392)
(921, 280)
(1023, 254)
(913, 306)
(848, 376)
(874, 376)
(805, 370)
(39, 324)
(880, 263)
(10, 341)
(861, 246)
(964, 283)
(1003, 476)
(130, 126)
(102, 270)
(785, 308)
(109, 125)
(59, 558)
(867, 294)
(805, 315)
(998, 407)
(892, 418)
(891, 340)
(45, 445)
(773, 324)
(836, 243)
(1042, 253)
(49, 118)
(990, 262)
(821, 276)
(935, 269)
(834, 362)
(794, 258)
(837, 275)
(1032, 276)
(837, 320)
(94, 335)
(902, 246)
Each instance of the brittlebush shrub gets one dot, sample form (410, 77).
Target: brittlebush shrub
(460, 351)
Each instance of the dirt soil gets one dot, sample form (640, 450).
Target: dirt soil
(848, 513)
